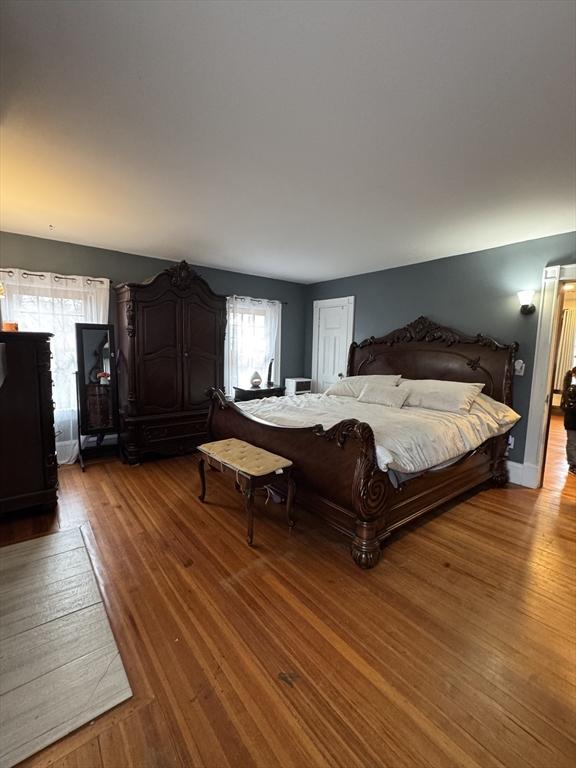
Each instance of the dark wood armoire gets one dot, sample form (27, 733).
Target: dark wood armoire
(28, 466)
(170, 351)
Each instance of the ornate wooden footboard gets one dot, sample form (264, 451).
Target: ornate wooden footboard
(336, 471)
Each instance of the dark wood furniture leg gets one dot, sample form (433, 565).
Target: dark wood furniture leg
(248, 499)
(290, 504)
(202, 479)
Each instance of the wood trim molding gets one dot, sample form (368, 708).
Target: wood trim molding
(524, 474)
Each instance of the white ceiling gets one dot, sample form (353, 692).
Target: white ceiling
(305, 140)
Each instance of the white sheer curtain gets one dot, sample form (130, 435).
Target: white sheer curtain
(567, 348)
(43, 301)
(252, 340)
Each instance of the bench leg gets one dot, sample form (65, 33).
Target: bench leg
(202, 479)
(290, 504)
(248, 498)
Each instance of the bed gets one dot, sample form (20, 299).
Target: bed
(337, 469)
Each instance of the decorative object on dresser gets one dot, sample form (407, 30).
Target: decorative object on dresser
(95, 384)
(170, 351)
(298, 386)
(255, 380)
(241, 394)
(28, 466)
(337, 470)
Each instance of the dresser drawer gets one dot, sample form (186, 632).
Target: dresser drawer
(152, 434)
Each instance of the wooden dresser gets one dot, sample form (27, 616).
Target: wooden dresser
(28, 467)
(256, 393)
(170, 351)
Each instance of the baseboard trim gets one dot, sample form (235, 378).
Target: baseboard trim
(523, 474)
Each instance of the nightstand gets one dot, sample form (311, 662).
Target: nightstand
(256, 393)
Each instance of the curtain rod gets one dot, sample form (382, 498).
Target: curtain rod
(42, 276)
(258, 301)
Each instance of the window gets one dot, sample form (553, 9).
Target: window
(252, 340)
(42, 301)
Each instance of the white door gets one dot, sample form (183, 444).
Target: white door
(333, 334)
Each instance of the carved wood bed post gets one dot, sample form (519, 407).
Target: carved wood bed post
(371, 491)
(500, 474)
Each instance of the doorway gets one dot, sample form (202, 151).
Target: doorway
(531, 472)
(555, 461)
(332, 335)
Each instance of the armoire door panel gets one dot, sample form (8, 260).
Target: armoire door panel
(200, 373)
(202, 332)
(159, 353)
(201, 325)
(158, 326)
(159, 385)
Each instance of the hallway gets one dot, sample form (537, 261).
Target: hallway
(556, 475)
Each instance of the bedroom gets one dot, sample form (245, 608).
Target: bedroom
(273, 200)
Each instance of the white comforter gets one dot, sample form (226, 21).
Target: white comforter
(407, 440)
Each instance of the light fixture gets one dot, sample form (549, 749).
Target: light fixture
(525, 298)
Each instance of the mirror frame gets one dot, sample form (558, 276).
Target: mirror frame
(81, 378)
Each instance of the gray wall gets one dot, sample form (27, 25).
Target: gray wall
(474, 292)
(35, 253)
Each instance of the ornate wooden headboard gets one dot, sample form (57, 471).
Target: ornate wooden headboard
(426, 350)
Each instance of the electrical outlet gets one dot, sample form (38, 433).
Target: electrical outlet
(519, 367)
(510, 442)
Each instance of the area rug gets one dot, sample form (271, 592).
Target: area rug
(60, 666)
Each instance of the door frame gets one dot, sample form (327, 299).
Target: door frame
(318, 304)
(543, 371)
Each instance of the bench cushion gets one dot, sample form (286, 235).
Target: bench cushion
(244, 457)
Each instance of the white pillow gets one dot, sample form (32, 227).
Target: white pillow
(502, 414)
(453, 396)
(393, 397)
(351, 386)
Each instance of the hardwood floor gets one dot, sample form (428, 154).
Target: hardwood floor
(556, 468)
(457, 651)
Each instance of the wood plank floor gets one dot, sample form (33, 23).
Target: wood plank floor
(556, 469)
(59, 664)
(457, 651)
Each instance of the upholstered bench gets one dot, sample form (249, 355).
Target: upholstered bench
(253, 468)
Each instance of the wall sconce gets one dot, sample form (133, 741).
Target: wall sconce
(525, 298)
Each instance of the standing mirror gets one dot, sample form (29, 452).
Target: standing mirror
(96, 381)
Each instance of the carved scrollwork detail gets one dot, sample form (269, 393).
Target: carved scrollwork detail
(339, 432)
(51, 470)
(365, 557)
(218, 397)
(371, 487)
(424, 330)
(131, 318)
(182, 276)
